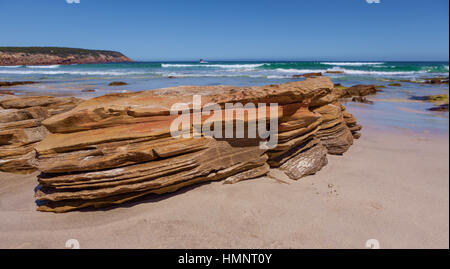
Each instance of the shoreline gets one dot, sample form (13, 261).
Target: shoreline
(396, 119)
(388, 186)
(392, 185)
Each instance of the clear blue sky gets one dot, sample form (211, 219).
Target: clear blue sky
(235, 29)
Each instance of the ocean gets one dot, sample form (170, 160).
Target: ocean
(264, 70)
(393, 107)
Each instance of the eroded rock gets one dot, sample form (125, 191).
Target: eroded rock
(334, 132)
(15, 83)
(359, 90)
(117, 147)
(439, 108)
(21, 129)
(117, 83)
(352, 124)
(363, 100)
(308, 75)
(306, 163)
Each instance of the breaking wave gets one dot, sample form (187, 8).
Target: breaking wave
(10, 66)
(270, 70)
(89, 73)
(350, 71)
(226, 66)
(352, 63)
(43, 66)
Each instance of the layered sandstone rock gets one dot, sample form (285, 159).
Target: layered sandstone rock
(299, 148)
(333, 132)
(21, 129)
(115, 148)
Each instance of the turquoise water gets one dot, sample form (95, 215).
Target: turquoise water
(392, 107)
(263, 69)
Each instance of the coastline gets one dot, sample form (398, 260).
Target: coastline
(44, 56)
(225, 132)
(388, 186)
(392, 185)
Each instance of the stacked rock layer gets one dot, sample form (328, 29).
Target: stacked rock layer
(115, 148)
(21, 129)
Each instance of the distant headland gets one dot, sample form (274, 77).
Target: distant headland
(57, 55)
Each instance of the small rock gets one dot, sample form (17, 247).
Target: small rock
(308, 75)
(436, 81)
(15, 83)
(395, 84)
(117, 83)
(441, 108)
(360, 99)
(359, 90)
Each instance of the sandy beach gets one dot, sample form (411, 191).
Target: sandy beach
(237, 127)
(391, 186)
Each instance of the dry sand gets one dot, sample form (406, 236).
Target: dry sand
(390, 186)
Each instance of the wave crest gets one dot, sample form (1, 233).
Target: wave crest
(352, 63)
(225, 66)
(43, 66)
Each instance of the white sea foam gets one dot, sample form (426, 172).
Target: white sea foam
(299, 71)
(350, 72)
(382, 73)
(278, 76)
(10, 66)
(209, 74)
(377, 73)
(236, 70)
(66, 72)
(352, 63)
(43, 66)
(287, 73)
(226, 66)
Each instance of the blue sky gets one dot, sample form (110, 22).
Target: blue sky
(232, 30)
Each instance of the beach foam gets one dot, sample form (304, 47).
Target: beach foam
(352, 63)
(231, 66)
(43, 66)
(262, 70)
(67, 72)
(10, 66)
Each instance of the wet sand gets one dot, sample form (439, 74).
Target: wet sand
(392, 186)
